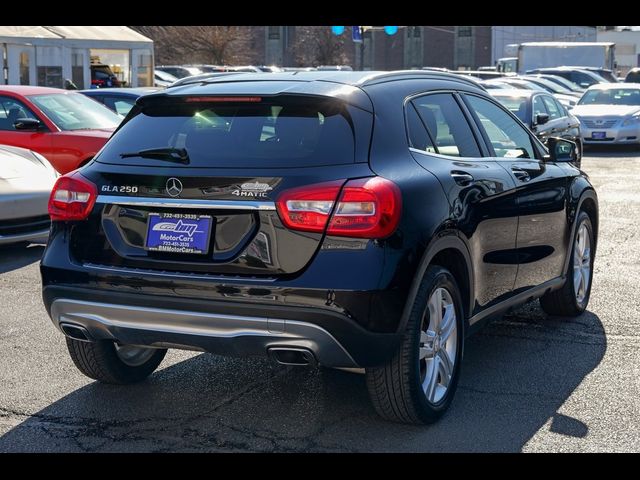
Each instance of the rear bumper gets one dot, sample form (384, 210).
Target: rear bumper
(211, 332)
(221, 327)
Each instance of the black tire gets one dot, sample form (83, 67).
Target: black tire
(395, 388)
(99, 360)
(564, 302)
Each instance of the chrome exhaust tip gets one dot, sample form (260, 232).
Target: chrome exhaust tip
(76, 332)
(293, 356)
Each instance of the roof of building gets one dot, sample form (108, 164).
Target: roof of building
(109, 33)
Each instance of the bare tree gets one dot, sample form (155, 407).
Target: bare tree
(220, 45)
(318, 46)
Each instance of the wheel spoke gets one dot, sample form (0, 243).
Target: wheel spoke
(448, 323)
(577, 280)
(436, 312)
(581, 237)
(431, 378)
(586, 257)
(585, 279)
(446, 367)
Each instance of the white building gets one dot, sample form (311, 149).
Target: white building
(47, 56)
(503, 36)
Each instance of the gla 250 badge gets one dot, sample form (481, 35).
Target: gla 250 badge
(119, 189)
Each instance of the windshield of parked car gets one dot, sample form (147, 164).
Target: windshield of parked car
(613, 96)
(517, 105)
(74, 111)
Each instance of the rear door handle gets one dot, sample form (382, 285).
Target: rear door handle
(462, 178)
(520, 174)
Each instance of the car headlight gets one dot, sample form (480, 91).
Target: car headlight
(633, 120)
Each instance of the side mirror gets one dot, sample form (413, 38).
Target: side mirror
(30, 124)
(541, 118)
(561, 150)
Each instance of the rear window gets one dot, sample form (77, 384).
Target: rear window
(265, 133)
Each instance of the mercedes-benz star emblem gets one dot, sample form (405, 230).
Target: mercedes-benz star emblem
(174, 187)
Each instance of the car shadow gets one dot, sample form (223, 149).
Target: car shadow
(13, 257)
(517, 374)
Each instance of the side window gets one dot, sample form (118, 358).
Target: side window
(563, 111)
(538, 106)
(554, 111)
(447, 125)
(508, 138)
(417, 133)
(10, 111)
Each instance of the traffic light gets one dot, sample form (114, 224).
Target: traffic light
(337, 30)
(389, 30)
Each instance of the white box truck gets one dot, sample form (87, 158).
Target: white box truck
(533, 55)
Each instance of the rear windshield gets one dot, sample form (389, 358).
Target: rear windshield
(263, 133)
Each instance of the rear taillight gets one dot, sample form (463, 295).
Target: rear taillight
(72, 198)
(367, 208)
(308, 208)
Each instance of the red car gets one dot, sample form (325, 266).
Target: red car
(65, 127)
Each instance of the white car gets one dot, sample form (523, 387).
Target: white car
(609, 113)
(26, 180)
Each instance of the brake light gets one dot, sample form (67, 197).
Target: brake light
(223, 99)
(367, 208)
(72, 198)
(308, 208)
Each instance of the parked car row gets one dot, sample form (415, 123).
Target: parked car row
(545, 116)
(243, 217)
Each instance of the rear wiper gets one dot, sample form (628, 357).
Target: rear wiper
(164, 153)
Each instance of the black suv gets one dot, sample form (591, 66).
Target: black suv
(350, 219)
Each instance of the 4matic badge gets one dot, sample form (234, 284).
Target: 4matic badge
(252, 189)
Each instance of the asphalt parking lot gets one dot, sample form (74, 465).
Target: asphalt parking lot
(529, 382)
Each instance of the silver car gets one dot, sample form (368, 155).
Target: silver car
(609, 113)
(26, 180)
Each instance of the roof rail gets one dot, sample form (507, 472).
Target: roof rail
(426, 74)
